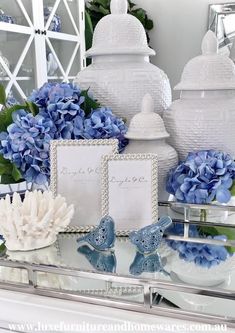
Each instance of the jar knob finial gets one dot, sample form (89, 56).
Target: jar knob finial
(147, 104)
(209, 43)
(118, 7)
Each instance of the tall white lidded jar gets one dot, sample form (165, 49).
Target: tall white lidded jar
(121, 74)
(204, 116)
(147, 134)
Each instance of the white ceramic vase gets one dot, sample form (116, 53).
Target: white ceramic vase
(204, 116)
(147, 134)
(120, 74)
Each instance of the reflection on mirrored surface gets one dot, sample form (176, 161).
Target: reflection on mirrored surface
(164, 265)
(148, 263)
(199, 261)
(104, 261)
(222, 22)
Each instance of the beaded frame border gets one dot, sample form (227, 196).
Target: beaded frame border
(54, 166)
(154, 182)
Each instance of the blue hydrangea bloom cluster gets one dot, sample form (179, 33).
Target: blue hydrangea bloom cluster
(204, 255)
(26, 144)
(62, 104)
(61, 116)
(203, 177)
(102, 124)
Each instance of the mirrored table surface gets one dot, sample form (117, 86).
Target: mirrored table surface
(121, 277)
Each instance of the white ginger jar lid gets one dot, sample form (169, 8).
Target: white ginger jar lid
(209, 71)
(147, 125)
(119, 33)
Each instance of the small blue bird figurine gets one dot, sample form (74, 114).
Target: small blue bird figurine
(148, 239)
(101, 261)
(103, 237)
(151, 263)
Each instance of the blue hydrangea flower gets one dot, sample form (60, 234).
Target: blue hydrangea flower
(178, 229)
(26, 144)
(41, 96)
(54, 93)
(203, 177)
(204, 255)
(62, 104)
(102, 124)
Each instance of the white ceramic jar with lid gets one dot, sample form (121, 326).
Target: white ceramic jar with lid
(147, 134)
(204, 116)
(120, 74)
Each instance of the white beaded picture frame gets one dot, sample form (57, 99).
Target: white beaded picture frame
(76, 175)
(130, 190)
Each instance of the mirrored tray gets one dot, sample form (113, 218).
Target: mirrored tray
(162, 284)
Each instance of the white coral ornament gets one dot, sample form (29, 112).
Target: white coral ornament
(34, 222)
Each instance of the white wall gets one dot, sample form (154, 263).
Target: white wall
(179, 29)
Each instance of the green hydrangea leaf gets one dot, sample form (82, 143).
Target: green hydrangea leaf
(230, 233)
(3, 160)
(149, 24)
(104, 11)
(89, 103)
(131, 4)
(94, 8)
(31, 108)
(9, 173)
(88, 30)
(5, 166)
(140, 15)
(215, 231)
(3, 169)
(104, 3)
(3, 127)
(2, 249)
(232, 190)
(16, 174)
(7, 179)
(208, 231)
(9, 112)
(6, 116)
(3, 98)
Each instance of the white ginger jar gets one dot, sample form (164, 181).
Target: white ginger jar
(204, 116)
(147, 134)
(120, 74)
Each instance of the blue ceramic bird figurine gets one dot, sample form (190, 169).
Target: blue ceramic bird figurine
(148, 239)
(101, 261)
(150, 263)
(103, 237)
